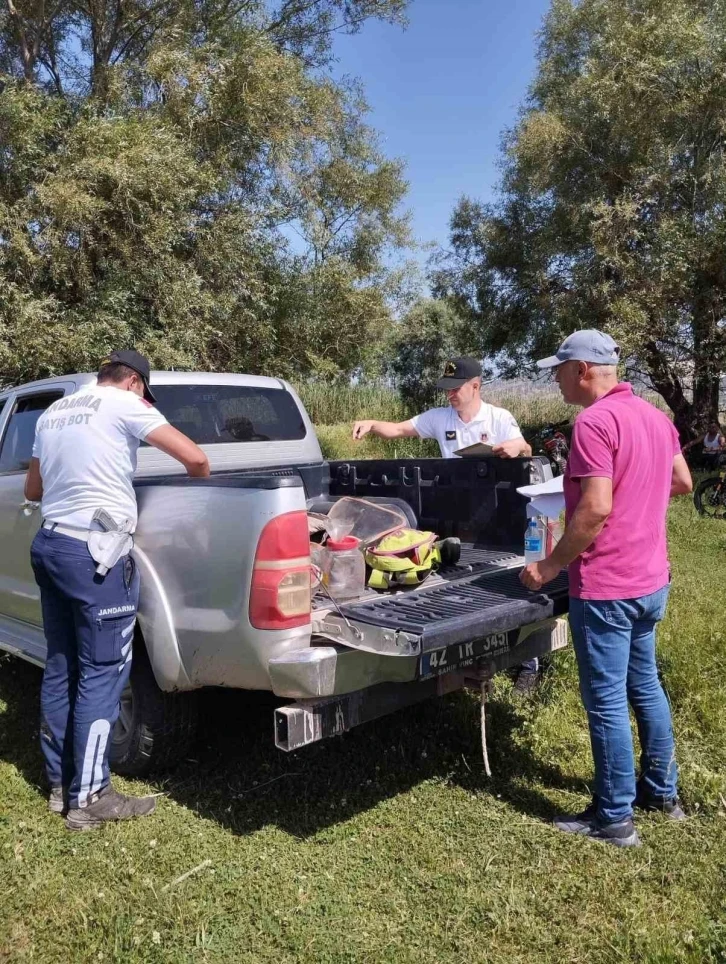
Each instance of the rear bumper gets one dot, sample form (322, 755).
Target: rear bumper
(330, 670)
(316, 718)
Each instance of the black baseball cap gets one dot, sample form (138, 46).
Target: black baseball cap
(457, 371)
(136, 361)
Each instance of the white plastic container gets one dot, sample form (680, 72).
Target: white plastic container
(345, 573)
(535, 537)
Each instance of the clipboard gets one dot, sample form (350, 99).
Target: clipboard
(475, 451)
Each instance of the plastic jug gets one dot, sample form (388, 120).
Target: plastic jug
(345, 573)
(367, 521)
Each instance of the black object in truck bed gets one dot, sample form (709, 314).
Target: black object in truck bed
(463, 610)
(477, 559)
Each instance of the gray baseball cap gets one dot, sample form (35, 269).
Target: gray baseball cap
(588, 345)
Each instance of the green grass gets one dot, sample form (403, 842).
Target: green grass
(336, 441)
(328, 404)
(389, 844)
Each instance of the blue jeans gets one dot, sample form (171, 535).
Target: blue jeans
(89, 627)
(615, 648)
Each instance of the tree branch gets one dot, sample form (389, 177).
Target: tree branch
(143, 21)
(22, 40)
(294, 10)
(51, 66)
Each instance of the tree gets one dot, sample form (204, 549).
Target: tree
(174, 172)
(428, 334)
(612, 212)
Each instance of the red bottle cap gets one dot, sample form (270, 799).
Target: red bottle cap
(347, 542)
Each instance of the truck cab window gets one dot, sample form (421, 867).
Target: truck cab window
(17, 443)
(211, 414)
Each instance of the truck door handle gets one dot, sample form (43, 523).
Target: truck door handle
(29, 507)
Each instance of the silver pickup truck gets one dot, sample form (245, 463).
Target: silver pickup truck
(226, 577)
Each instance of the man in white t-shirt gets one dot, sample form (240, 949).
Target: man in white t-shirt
(465, 421)
(84, 459)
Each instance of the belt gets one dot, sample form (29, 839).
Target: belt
(75, 533)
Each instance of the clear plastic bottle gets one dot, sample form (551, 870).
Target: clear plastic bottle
(346, 569)
(534, 540)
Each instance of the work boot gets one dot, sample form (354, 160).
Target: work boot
(108, 804)
(527, 682)
(670, 808)
(58, 800)
(622, 833)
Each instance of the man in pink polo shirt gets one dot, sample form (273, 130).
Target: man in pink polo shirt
(625, 465)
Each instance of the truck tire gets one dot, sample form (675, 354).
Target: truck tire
(155, 729)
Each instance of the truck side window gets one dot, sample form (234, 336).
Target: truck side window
(17, 445)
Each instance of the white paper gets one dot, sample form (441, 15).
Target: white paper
(550, 487)
(546, 498)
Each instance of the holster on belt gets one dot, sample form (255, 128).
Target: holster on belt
(108, 546)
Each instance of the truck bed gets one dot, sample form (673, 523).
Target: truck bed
(475, 500)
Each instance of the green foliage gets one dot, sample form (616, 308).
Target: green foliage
(329, 403)
(429, 333)
(155, 162)
(612, 211)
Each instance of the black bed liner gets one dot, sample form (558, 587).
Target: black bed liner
(478, 559)
(461, 610)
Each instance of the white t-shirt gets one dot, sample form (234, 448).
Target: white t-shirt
(87, 444)
(491, 425)
(712, 445)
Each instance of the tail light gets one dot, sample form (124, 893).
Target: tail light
(280, 593)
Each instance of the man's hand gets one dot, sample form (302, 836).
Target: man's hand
(512, 449)
(538, 574)
(361, 429)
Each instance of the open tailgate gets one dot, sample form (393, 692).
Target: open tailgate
(468, 609)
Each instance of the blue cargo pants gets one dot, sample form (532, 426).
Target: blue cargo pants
(89, 627)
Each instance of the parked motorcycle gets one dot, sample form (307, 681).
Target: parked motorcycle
(710, 494)
(550, 441)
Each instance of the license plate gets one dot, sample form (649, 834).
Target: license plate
(459, 655)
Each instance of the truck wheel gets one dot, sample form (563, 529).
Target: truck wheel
(154, 729)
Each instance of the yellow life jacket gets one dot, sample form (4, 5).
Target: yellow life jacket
(403, 558)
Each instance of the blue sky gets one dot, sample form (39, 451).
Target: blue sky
(441, 93)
